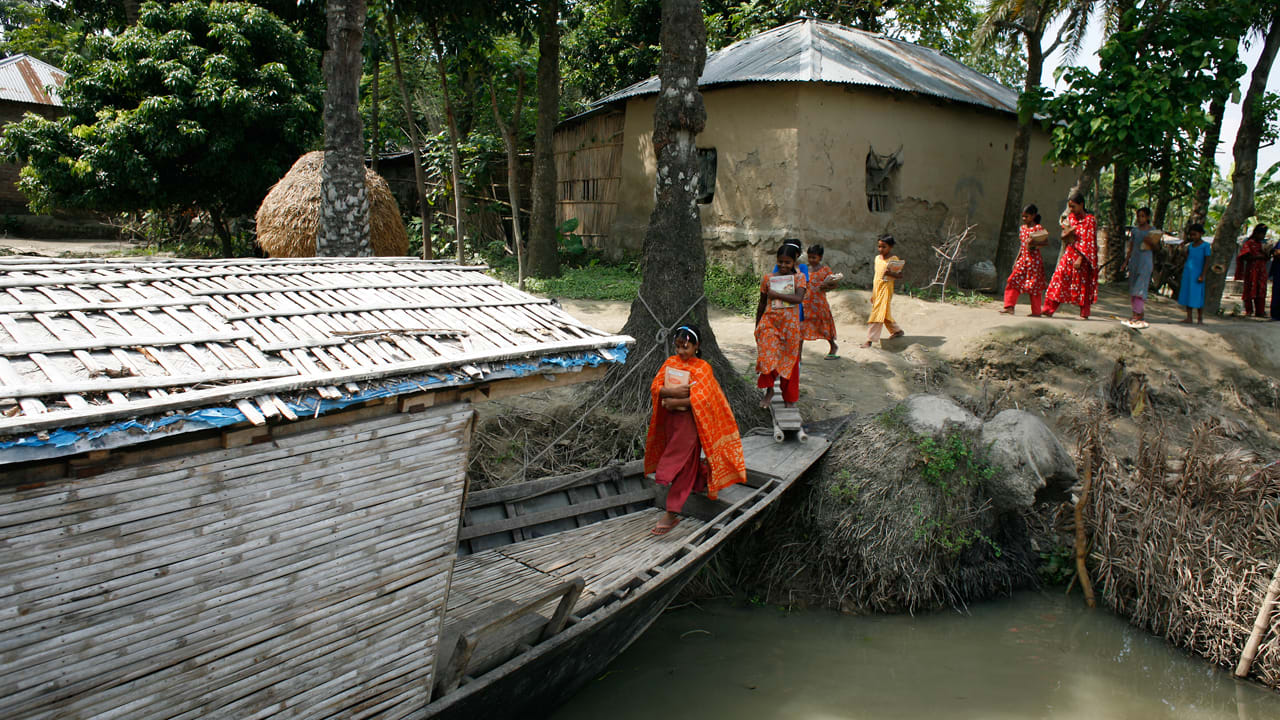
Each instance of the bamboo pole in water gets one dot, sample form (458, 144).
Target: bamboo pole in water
(1082, 548)
(1260, 626)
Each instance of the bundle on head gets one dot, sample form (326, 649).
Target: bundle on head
(1186, 544)
(289, 217)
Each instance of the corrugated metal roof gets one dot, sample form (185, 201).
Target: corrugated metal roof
(817, 51)
(28, 80)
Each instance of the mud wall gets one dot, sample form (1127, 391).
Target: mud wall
(791, 161)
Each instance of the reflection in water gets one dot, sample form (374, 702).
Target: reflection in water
(1033, 656)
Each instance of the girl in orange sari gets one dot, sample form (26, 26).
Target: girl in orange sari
(690, 416)
(778, 333)
(818, 323)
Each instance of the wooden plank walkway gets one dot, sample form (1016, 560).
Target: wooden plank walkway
(607, 555)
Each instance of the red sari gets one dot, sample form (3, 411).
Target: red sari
(1078, 286)
(716, 431)
(1028, 270)
(1251, 270)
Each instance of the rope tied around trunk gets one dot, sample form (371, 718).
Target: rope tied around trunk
(660, 342)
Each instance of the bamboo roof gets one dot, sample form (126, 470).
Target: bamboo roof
(95, 347)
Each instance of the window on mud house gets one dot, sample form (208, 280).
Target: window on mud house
(706, 175)
(882, 170)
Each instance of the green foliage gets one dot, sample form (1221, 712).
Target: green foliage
(733, 291)
(1152, 82)
(968, 298)
(197, 106)
(895, 418)
(951, 462)
(845, 489)
(950, 536)
(1267, 197)
(1057, 565)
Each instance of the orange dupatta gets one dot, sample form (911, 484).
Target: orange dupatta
(717, 430)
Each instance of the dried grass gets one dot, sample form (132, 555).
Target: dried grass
(1184, 543)
(288, 220)
(858, 538)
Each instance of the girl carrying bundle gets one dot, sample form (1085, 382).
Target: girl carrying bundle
(778, 333)
(690, 417)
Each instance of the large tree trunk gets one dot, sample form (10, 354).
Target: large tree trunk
(344, 199)
(132, 8)
(1240, 207)
(374, 99)
(1117, 225)
(419, 176)
(674, 257)
(455, 158)
(1007, 246)
(509, 140)
(1163, 185)
(544, 258)
(1206, 167)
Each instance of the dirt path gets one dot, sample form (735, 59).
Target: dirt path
(1050, 366)
(61, 248)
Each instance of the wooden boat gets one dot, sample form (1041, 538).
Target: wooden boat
(556, 577)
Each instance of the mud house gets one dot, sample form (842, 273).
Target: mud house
(233, 488)
(26, 85)
(817, 131)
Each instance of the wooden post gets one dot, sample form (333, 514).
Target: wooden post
(1260, 626)
(1082, 545)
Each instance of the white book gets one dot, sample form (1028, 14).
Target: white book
(783, 285)
(676, 376)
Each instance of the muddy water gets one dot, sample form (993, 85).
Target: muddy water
(1037, 655)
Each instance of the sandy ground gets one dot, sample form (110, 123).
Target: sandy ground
(1226, 368)
(60, 248)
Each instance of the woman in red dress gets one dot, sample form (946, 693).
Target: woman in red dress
(1028, 270)
(1076, 279)
(1251, 269)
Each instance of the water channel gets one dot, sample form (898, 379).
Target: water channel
(1035, 655)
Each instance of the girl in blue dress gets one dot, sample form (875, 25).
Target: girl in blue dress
(1191, 291)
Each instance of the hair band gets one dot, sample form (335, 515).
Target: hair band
(691, 332)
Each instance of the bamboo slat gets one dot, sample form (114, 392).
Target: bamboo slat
(305, 573)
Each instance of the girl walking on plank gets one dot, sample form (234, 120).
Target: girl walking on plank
(1076, 279)
(818, 323)
(690, 416)
(778, 333)
(888, 268)
(1028, 270)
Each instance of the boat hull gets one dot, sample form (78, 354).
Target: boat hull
(540, 681)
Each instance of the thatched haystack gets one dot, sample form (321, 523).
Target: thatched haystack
(1185, 546)
(289, 217)
(871, 533)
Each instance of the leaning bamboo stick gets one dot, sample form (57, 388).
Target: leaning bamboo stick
(1081, 542)
(1260, 626)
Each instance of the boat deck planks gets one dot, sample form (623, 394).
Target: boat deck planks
(605, 555)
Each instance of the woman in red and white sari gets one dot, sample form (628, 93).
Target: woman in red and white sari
(1076, 279)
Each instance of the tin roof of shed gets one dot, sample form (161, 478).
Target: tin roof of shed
(811, 50)
(28, 80)
(141, 344)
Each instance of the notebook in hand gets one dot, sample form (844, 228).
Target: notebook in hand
(784, 285)
(676, 376)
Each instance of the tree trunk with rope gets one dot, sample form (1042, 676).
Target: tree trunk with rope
(543, 258)
(344, 197)
(674, 259)
(1206, 166)
(1112, 255)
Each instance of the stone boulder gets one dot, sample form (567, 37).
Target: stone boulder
(931, 414)
(982, 275)
(1037, 466)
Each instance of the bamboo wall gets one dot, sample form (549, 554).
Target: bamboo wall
(589, 173)
(302, 577)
